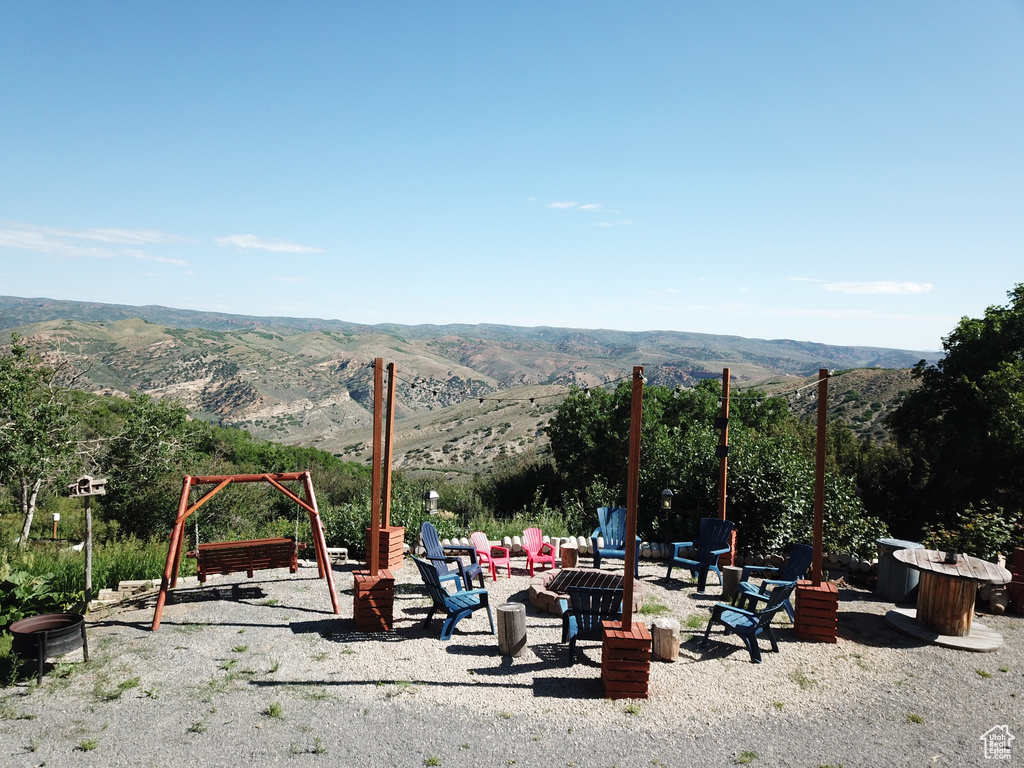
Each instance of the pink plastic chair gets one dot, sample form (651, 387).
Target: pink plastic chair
(537, 551)
(491, 554)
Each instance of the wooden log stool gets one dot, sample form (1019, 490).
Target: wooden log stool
(730, 580)
(512, 629)
(665, 637)
(570, 554)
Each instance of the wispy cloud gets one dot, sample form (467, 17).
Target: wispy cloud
(68, 243)
(252, 242)
(592, 207)
(150, 257)
(561, 205)
(879, 286)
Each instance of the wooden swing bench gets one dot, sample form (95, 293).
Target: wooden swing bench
(226, 557)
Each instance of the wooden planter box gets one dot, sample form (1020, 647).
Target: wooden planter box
(392, 542)
(625, 660)
(373, 601)
(817, 611)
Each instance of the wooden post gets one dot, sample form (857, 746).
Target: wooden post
(373, 557)
(512, 629)
(723, 445)
(389, 431)
(632, 495)
(176, 531)
(819, 476)
(88, 550)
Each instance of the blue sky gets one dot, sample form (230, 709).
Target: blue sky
(849, 173)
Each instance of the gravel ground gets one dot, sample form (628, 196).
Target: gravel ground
(260, 672)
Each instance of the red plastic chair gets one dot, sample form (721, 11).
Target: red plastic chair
(491, 554)
(537, 551)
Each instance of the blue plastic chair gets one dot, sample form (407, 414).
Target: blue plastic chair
(791, 571)
(712, 542)
(612, 528)
(584, 611)
(450, 567)
(749, 624)
(456, 606)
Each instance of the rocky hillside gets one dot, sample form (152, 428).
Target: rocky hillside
(310, 382)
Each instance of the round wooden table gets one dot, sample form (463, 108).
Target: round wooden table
(945, 599)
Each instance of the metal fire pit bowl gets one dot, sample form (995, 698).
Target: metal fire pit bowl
(52, 634)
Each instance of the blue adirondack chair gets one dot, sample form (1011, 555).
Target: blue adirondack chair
(612, 528)
(450, 567)
(749, 624)
(712, 541)
(748, 595)
(584, 611)
(456, 606)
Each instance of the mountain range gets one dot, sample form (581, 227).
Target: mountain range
(466, 394)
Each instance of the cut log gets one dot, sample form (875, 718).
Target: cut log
(512, 629)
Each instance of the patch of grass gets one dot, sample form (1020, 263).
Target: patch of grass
(274, 709)
(240, 649)
(1004, 669)
(746, 757)
(9, 712)
(913, 717)
(151, 692)
(88, 745)
(228, 664)
(984, 674)
(198, 726)
(275, 664)
(653, 607)
(778, 705)
(115, 693)
(270, 601)
(321, 656)
(505, 715)
(695, 621)
(632, 709)
(432, 760)
(800, 677)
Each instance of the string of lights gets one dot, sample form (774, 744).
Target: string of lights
(498, 398)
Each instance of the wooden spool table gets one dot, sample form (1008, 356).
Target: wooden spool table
(945, 600)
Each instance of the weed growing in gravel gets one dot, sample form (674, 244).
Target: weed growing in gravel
(316, 694)
(9, 712)
(274, 709)
(198, 726)
(1004, 669)
(151, 692)
(983, 673)
(115, 693)
(778, 705)
(746, 757)
(240, 649)
(321, 656)
(270, 601)
(632, 709)
(432, 760)
(653, 607)
(695, 621)
(800, 677)
(505, 715)
(226, 665)
(464, 746)
(275, 664)
(88, 745)
(913, 717)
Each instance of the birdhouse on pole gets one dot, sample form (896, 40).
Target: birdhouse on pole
(86, 485)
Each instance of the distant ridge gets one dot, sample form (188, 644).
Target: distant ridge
(467, 394)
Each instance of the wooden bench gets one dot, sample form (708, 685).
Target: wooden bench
(226, 557)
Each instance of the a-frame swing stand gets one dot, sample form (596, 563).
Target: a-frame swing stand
(170, 577)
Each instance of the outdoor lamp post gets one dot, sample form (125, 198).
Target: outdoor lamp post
(666, 499)
(430, 502)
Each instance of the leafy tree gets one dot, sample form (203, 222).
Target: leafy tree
(37, 425)
(963, 428)
(145, 463)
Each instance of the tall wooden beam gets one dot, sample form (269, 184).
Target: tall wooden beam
(632, 495)
(373, 561)
(389, 433)
(819, 475)
(723, 446)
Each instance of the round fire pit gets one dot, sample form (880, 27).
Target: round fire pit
(548, 588)
(52, 634)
